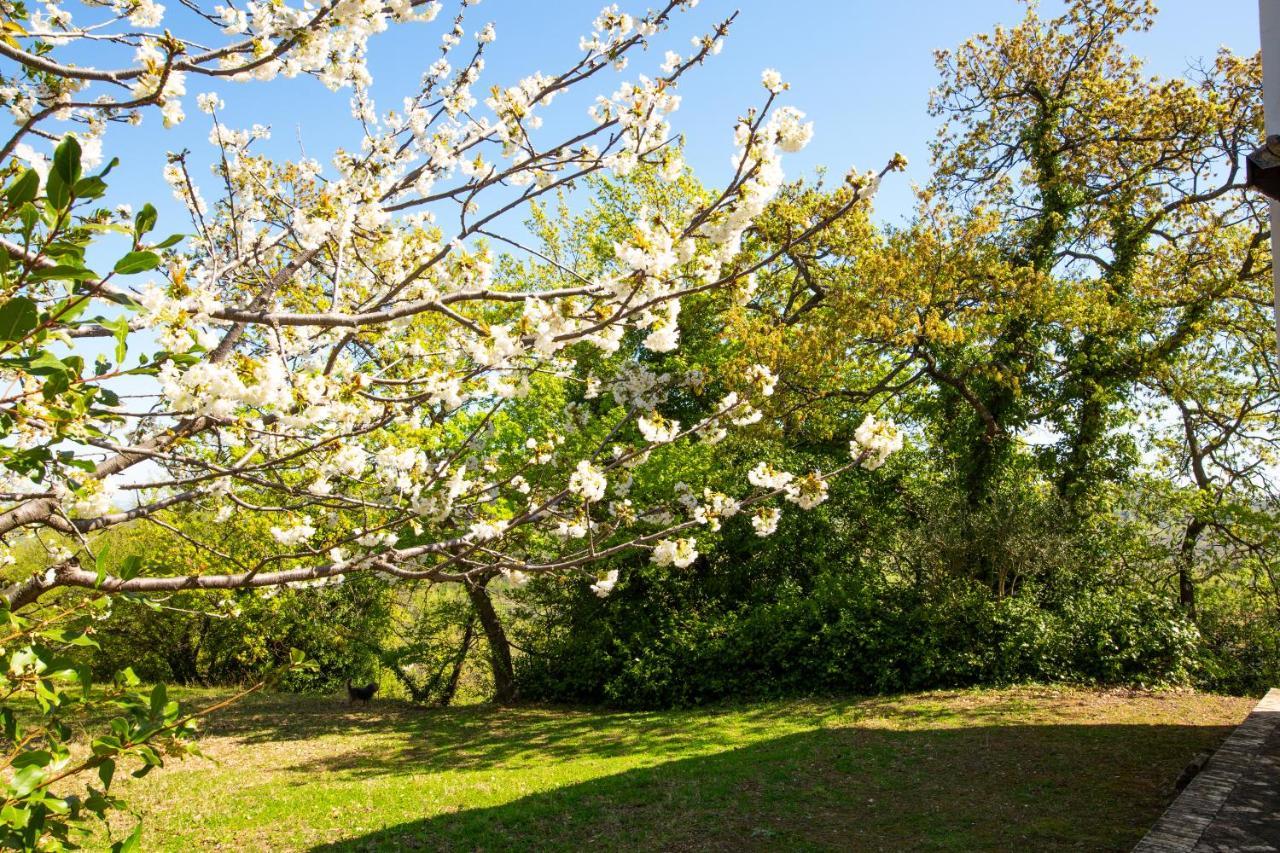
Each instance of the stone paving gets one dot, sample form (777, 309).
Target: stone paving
(1233, 804)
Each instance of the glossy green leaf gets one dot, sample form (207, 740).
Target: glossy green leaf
(66, 161)
(136, 262)
(24, 189)
(144, 220)
(18, 318)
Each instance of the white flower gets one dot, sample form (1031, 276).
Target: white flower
(663, 338)
(570, 530)
(788, 129)
(90, 151)
(350, 460)
(145, 13)
(808, 491)
(651, 250)
(482, 530)
(675, 552)
(657, 429)
(715, 506)
(171, 112)
(603, 586)
(588, 481)
(311, 232)
(772, 81)
(763, 378)
(296, 535)
(875, 441)
(209, 102)
(766, 476)
(765, 520)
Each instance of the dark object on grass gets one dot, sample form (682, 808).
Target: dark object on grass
(361, 694)
(1189, 772)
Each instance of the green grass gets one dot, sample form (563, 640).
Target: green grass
(1028, 768)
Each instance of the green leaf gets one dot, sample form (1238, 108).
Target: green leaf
(66, 161)
(68, 310)
(90, 188)
(136, 262)
(171, 240)
(29, 216)
(144, 220)
(57, 191)
(24, 189)
(26, 780)
(18, 318)
(45, 364)
(106, 770)
(71, 637)
(119, 327)
(64, 272)
(159, 697)
(105, 745)
(132, 844)
(129, 569)
(37, 757)
(57, 805)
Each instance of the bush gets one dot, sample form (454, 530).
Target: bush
(854, 634)
(236, 637)
(1242, 646)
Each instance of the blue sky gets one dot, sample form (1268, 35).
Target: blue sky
(861, 70)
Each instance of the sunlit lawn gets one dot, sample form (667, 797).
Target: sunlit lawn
(1025, 769)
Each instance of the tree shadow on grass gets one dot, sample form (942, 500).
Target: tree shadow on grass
(1017, 787)
(414, 738)
(411, 738)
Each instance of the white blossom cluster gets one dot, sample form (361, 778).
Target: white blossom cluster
(875, 441)
(675, 552)
(341, 342)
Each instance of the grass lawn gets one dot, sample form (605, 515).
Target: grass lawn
(1019, 769)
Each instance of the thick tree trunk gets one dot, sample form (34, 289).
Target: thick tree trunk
(1186, 565)
(504, 682)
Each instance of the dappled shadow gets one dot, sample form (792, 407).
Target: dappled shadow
(417, 738)
(1031, 787)
(411, 737)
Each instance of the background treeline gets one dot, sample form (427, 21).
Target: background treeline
(1075, 330)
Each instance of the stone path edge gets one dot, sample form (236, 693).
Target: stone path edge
(1193, 812)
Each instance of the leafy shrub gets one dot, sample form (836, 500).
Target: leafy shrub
(858, 635)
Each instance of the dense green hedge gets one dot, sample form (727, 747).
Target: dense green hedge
(850, 636)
